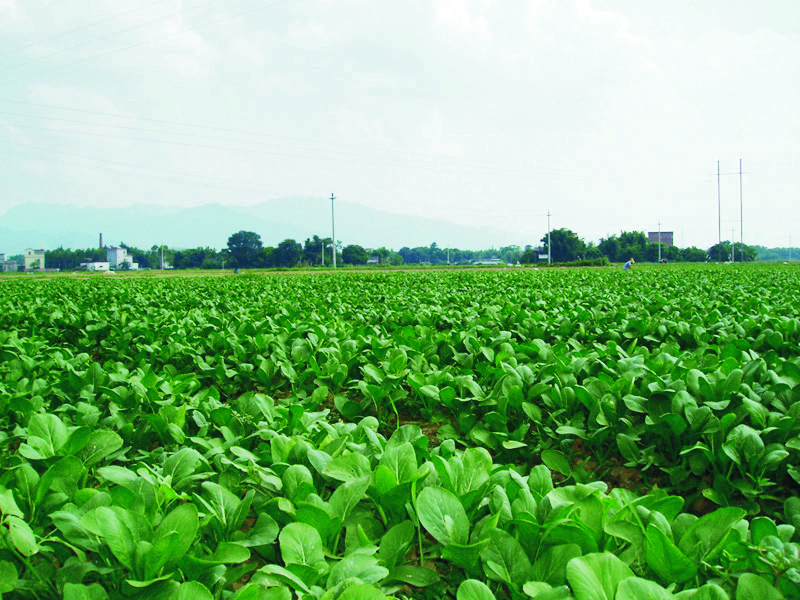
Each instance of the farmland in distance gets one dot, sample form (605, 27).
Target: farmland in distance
(592, 434)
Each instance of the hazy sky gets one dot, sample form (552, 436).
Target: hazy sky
(610, 115)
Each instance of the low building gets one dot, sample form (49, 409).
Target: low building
(8, 266)
(95, 266)
(34, 260)
(118, 257)
(664, 236)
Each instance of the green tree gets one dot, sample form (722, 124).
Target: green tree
(510, 254)
(567, 245)
(693, 254)
(354, 255)
(245, 248)
(287, 254)
(530, 256)
(723, 252)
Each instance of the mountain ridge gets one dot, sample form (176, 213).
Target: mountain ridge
(37, 224)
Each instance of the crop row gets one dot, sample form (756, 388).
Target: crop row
(372, 434)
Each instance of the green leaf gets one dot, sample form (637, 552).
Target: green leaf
(401, 461)
(442, 514)
(505, 560)
(635, 588)
(706, 533)
(80, 591)
(100, 445)
(596, 576)
(348, 467)
(551, 565)
(362, 567)
(753, 587)
(47, 434)
(347, 496)
(556, 461)
(8, 577)
(666, 560)
(416, 576)
(252, 591)
(184, 521)
(263, 533)
(301, 544)
(396, 542)
(119, 528)
(472, 589)
(21, 536)
(8, 506)
(361, 591)
(229, 553)
(192, 590)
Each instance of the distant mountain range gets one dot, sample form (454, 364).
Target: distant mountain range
(48, 226)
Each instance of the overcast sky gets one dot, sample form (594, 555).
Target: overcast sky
(610, 115)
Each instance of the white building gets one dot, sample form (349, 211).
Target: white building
(34, 259)
(95, 266)
(117, 257)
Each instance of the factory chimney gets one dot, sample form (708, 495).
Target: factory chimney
(101, 241)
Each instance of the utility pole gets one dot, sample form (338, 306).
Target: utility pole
(659, 241)
(733, 249)
(719, 217)
(162, 257)
(741, 211)
(322, 251)
(549, 248)
(333, 232)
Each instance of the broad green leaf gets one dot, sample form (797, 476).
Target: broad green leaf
(182, 520)
(8, 506)
(301, 544)
(396, 542)
(472, 589)
(99, 445)
(401, 461)
(635, 588)
(362, 567)
(361, 591)
(504, 559)
(47, 433)
(192, 590)
(252, 591)
(704, 534)
(666, 559)
(348, 466)
(229, 553)
(551, 565)
(416, 576)
(442, 514)
(80, 591)
(21, 536)
(754, 587)
(345, 498)
(8, 577)
(596, 576)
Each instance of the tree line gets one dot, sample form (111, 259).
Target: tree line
(245, 249)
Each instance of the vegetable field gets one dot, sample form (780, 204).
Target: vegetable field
(587, 434)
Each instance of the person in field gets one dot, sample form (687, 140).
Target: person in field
(628, 264)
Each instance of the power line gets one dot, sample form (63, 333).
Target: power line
(82, 27)
(553, 172)
(295, 139)
(388, 161)
(87, 59)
